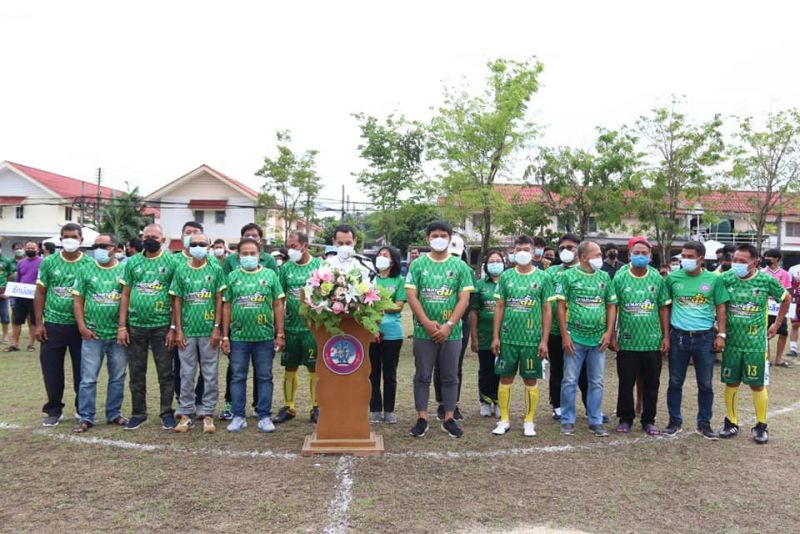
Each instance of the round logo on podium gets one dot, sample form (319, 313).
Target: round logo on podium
(343, 354)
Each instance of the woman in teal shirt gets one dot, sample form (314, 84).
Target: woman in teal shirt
(482, 304)
(385, 353)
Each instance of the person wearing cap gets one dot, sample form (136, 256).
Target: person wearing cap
(612, 265)
(642, 335)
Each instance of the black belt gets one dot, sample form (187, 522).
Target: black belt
(696, 333)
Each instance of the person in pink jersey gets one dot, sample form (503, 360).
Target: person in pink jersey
(772, 259)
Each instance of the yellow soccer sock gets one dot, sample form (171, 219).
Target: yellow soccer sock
(760, 401)
(731, 401)
(290, 382)
(504, 400)
(531, 402)
(312, 388)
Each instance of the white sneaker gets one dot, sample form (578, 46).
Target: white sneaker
(486, 410)
(265, 424)
(501, 428)
(497, 411)
(529, 429)
(237, 425)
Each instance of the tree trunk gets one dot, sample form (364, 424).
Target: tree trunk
(487, 229)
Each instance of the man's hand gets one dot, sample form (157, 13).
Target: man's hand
(441, 335)
(473, 344)
(719, 344)
(496, 346)
(215, 337)
(605, 341)
(170, 340)
(431, 327)
(567, 345)
(180, 341)
(40, 333)
(87, 334)
(665, 345)
(773, 330)
(122, 337)
(544, 352)
(226, 346)
(614, 344)
(280, 343)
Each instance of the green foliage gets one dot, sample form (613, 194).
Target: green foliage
(767, 161)
(291, 182)
(122, 216)
(683, 157)
(475, 139)
(408, 224)
(527, 218)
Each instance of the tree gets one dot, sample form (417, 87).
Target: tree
(580, 186)
(330, 224)
(475, 139)
(394, 151)
(291, 182)
(767, 162)
(682, 157)
(123, 216)
(526, 218)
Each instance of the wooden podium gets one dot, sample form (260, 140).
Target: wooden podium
(343, 393)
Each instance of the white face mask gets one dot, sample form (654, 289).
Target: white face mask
(523, 257)
(382, 263)
(295, 255)
(219, 252)
(345, 252)
(70, 245)
(439, 244)
(566, 256)
(596, 263)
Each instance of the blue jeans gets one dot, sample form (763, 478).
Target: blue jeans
(92, 352)
(595, 371)
(261, 353)
(4, 317)
(700, 349)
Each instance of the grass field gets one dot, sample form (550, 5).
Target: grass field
(151, 479)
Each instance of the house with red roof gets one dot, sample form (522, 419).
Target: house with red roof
(35, 203)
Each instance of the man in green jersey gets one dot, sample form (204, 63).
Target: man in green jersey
(482, 308)
(301, 347)
(438, 288)
(585, 333)
(521, 328)
(642, 337)
(144, 322)
(745, 358)
(96, 297)
(6, 270)
(197, 287)
(253, 315)
(698, 300)
(55, 320)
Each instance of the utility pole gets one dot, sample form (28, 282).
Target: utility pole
(342, 202)
(83, 192)
(97, 206)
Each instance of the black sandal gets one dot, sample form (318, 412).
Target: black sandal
(11, 348)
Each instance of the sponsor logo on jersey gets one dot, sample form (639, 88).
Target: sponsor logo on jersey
(110, 298)
(150, 288)
(201, 296)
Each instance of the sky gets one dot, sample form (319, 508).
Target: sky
(150, 90)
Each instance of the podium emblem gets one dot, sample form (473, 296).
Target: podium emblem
(343, 354)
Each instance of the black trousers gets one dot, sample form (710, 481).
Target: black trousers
(176, 369)
(488, 381)
(437, 379)
(630, 365)
(384, 357)
(229, 376)
(142, 342)
(52, 353)
(557, 373)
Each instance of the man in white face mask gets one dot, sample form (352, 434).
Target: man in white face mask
(344, 239)
(56, 328)
(585, 334)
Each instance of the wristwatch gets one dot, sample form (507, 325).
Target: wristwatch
(723, 335)
(173, 327)
(280, 334)
(450, 324)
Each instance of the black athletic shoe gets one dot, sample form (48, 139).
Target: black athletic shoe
(419, 429)
(451, 427)
(457, 415)
(315, 414)
(760, 434)
(284, 414)
(673, 429)
(729, 430)
(440, 413)
(707, 432)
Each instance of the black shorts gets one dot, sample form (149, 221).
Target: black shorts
(23, 308)
(782, 330)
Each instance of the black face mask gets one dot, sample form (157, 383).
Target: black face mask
(726, 267)
(764, 263)
(151, 245)
(31, 253)
(612, 255)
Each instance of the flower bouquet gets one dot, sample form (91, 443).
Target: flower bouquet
(331, 295)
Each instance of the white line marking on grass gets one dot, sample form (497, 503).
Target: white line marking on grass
(9, 426)
(784, 410)
(339, 507)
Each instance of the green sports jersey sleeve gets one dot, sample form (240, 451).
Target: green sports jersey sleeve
(400, 291)
(43, 277)
(721, 295)
(776, 290)
(411, 277)
(610, 294)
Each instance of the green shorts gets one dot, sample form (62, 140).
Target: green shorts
(301, 349)
(518, 356)
(749, 368)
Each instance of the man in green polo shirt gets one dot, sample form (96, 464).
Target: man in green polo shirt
(144, 323)
(55, 320)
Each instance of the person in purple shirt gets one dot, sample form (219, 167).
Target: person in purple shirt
(27, 272)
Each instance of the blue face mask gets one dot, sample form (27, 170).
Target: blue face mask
(186, 240)
(198, 253)
(495, 269)
(248, 263)
(740, 269)
(102, 255)
(640, 261)
(688, 264)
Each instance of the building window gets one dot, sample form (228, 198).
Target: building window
(793, 229)
(592, 225)
(68, 213)
(199, 216)
(20, 212)
(219, 217)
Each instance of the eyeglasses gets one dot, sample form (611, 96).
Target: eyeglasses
(104, 246)
(198, 244)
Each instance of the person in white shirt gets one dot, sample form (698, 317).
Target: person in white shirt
(344, 239)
